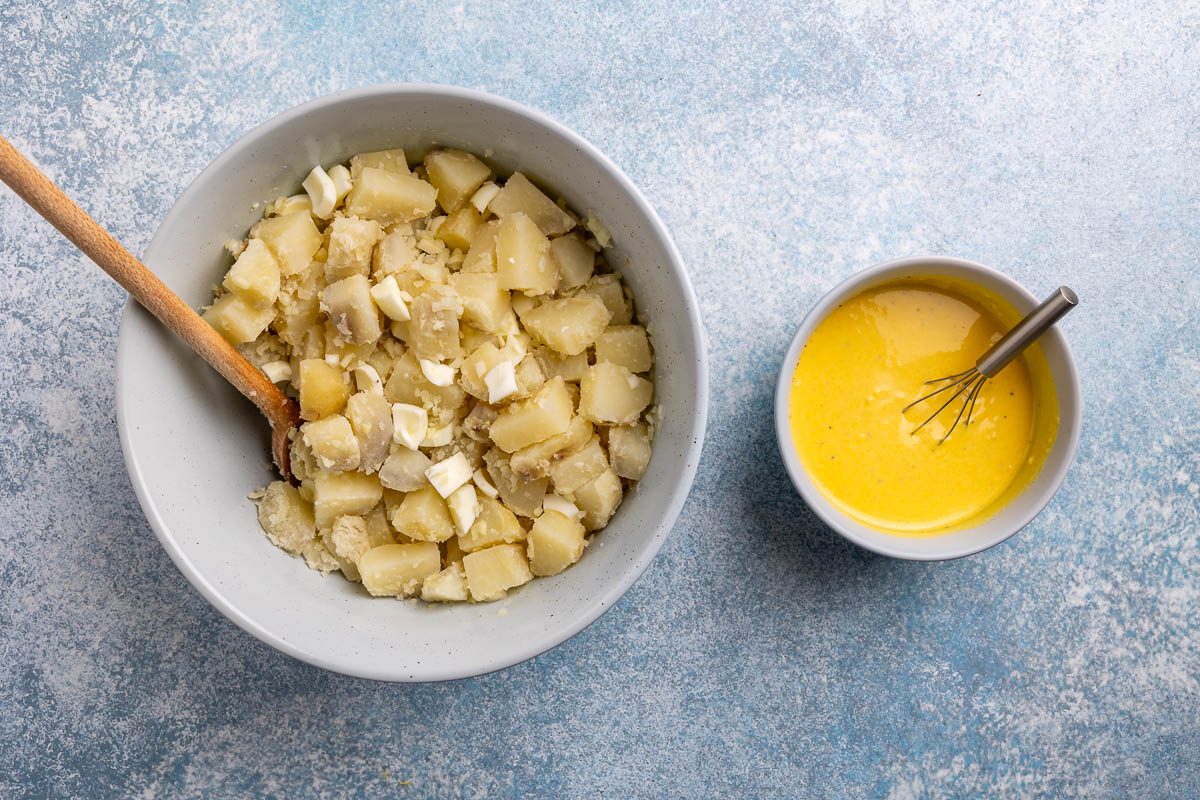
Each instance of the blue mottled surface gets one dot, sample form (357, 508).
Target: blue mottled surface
(760, 655)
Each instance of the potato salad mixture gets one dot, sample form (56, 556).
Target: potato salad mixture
(474, 385)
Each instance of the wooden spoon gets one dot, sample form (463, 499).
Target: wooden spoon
(85, 233)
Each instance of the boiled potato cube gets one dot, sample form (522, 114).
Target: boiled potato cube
(520, 496)
(407, 384)
(569, 368)
(323, 389)
(599, 499)
(389, 197)
(423, 516)
(456, 175)
(524, 422)
(575, 261)
(348, 539)
(608, 289)
(447, 586)
(494, 525)
(580, 467)
(389, 160)
(370, 415)
(555, 542)
(433, 329)
(333, 442)
(379, 530)
(491, 572)
(478, 423)
(530, 377)
(569, 325)
(612, 395)
(255, 275)
(523, 257)
(626, 345)
(520, 196)
(481, 257)
(292, 239)
(286, 517)
(485, 304)
(318, 557)
(395, 252)
(533, 462)
(398, 570)
(629, 450)
(351, 310)
(351, 244)
(237, 319)
(337, 494)
(404, 470)
(476, 367)
(459, 228)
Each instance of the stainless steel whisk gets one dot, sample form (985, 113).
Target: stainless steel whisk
(970, 382)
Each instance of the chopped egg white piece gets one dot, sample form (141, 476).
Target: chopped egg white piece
(332, 360)
(484, 485)
(278, 371)
(390, 299)
(484, 195)
(464, 507)
(321, 192)
(436, 437)
(437, 374)
(501, 381)
(553, 502)
(367, 379)
(342, 182)
(410, 424)
(449, 474)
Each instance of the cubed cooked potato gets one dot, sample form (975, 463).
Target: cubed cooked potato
(332, 442)
(520, 196)
(389, 197)
(388, 160)
(568, 325)
(457, 175)
(348, 538)
(494, 525)
(495, 570)
(423, 516)
(323, 389)
(407, 384)
(370, 415)
(575, 261)
(396, 252)
(337, 494)
(286, 517)
(404, 470)
(582, 466)
(447, 586)
(524, 422)
(523, 257)
(629, 450)
(569, 368)
(237, 319)
(598, 500)
(292, 239)
(481, 256)
(555, 542)
(351, 244)
(522, 497)
(533, 462)
(255, 275)
(612, 395)
(485, 304)
(627, 345)
(398, 570)
(608, 289)
(433, 330)
(459, 228)
(351, 310)
(379, 530)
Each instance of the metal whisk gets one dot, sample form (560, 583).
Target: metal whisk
(998, 356)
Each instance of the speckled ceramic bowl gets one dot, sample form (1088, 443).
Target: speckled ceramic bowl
(1015, 514)
(195, 448)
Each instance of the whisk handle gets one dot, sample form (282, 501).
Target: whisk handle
(1036, 323)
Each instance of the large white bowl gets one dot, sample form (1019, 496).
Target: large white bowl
(195, 448)
(1019, 511)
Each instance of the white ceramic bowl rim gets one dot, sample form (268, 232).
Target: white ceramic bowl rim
(670, 510)
(1021, 509)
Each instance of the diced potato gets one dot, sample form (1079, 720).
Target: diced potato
(423, 516)
(599, 499)
(389, 197)
(473, 338)
(580, 467)
(478, 424)
(389, 160)
(348, 538)
(318, 557)
(286, 517)
(398, 570)
(407, 384)
(522, 497)
(447, 586)
(456, 175)
(575, 261)
(323, 389)
(520, 196)
(299, 312)
(292, 239)
(379, 530)
(569, 325)
(533, 462)
(524, 422)
(494, 525)
(485, 304)
(333, 442)
(626, 345)
(351, 310)
(433, 330)
(404, 470)
(523, 257)
(459, 228)
(608, 289)
(238, 320)
(337, 494)
(475, 368)
(396, 252)
(569, 368)
(555, 542)
(370, 416)
(629, 450)
(491, 572)
(346, 565)
(530, 377)
(612, 395)
(481, 257)
(255, 275)
(351, 244)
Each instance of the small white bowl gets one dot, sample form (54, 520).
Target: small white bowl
(1017, 513)
(195, 448)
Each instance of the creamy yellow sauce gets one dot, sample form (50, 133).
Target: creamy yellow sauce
(868, 359)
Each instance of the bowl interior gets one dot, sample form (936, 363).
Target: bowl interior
(195, 448)
(1011, 517)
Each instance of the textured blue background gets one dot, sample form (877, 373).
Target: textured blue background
(759, 655)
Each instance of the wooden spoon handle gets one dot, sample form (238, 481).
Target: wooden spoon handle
(63, 213)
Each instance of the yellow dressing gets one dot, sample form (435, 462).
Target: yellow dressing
(868, 359)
